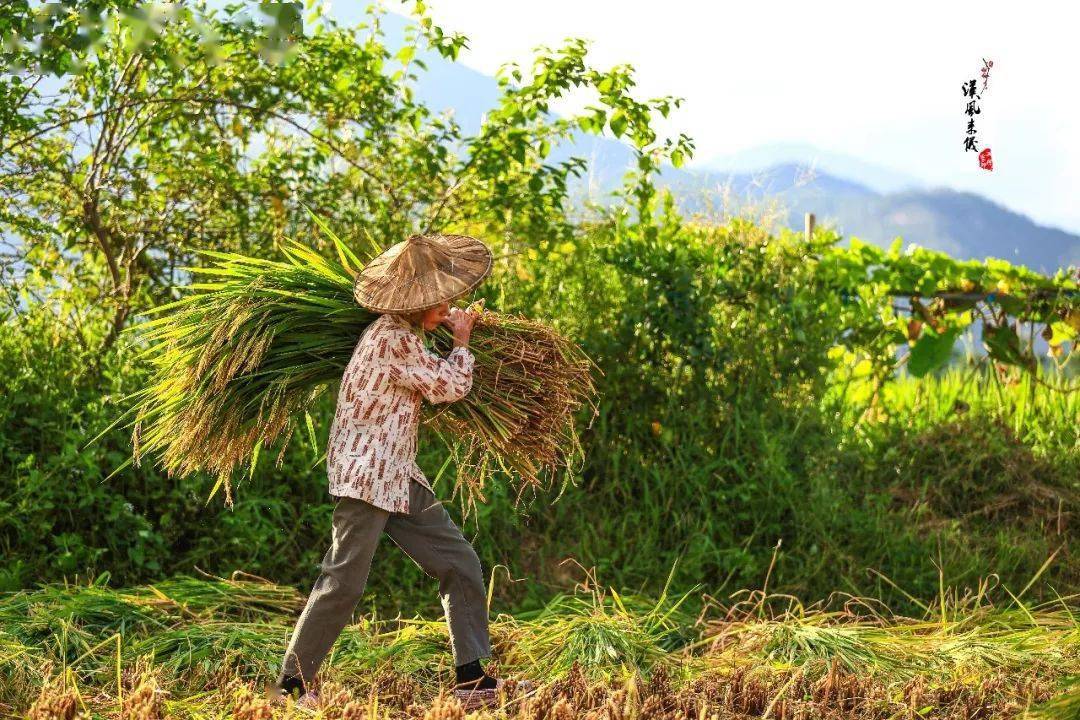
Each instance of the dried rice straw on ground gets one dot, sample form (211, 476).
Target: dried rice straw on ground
(245, 355)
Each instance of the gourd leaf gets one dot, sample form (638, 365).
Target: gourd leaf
(931, 351)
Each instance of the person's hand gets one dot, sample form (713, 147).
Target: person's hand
(461, 324)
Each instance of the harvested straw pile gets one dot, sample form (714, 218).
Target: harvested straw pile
(239, 362)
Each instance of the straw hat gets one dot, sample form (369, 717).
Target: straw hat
(421, 272)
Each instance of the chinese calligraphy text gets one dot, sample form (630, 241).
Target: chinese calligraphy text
(971, 109)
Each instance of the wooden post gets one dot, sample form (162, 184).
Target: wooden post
(809, 226)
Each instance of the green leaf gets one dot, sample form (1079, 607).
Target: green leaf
(931, 351)
(333, 237)
(311, 432)
(1062, 332)
(217, 486)
(1003, 344)
(928, 284)
(254, 459)
(618, 122)
(1011, 304)
(518, 151)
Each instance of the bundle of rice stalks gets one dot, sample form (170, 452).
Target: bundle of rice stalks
(605, 634)
(241, 359)
(974, 646)
(204, 647)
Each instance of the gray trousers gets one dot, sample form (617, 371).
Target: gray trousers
(429, 536)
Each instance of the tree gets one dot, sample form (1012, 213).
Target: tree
(188, 129)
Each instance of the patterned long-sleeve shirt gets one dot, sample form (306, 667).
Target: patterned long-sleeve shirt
(371, 452)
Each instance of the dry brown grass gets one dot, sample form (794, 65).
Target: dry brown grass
(724, 693)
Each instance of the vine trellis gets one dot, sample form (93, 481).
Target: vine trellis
(946, 296)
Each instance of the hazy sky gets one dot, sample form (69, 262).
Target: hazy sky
(880, 81)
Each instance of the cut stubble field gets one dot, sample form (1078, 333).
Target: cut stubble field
(206, 648)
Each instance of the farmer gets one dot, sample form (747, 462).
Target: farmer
(373, 475)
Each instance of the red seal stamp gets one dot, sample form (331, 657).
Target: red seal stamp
(985, 161)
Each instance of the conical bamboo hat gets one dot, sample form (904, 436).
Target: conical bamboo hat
(422, 271)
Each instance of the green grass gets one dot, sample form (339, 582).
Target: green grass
(1043, 418)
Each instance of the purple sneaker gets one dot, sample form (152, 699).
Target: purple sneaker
(308, 701)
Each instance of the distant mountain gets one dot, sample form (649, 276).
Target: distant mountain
(963, 224)
(875, 177)
(856, 197)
